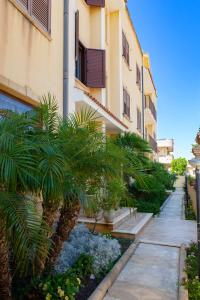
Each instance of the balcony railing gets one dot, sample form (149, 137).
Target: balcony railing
(149, 104)
(153, 143)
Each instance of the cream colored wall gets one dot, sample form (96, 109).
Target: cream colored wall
(149, 89)
(129, 72)
(29, 60)
(102, 28)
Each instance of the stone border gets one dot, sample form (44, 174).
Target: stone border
(107, 282)
(165, 203)
(182, 291)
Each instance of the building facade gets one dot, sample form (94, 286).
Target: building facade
(165, 152)
(93, 61)
(31, 52)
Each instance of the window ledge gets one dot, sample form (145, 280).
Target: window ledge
(31, 19)
(79, 84)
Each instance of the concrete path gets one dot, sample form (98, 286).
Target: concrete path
(152, 273)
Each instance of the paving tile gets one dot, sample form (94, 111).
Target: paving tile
(152, 272)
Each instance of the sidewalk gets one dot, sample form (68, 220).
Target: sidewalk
(152, 273)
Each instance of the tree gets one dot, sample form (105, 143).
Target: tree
(179, 165)
(20, 224)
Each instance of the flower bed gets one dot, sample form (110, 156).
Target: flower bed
(192, 282)
(84, 261)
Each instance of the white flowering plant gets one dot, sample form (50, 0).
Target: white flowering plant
(104, 250)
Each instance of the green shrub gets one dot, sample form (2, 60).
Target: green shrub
(60, 286)
(192, 283)
(189, 212)
(150, 204)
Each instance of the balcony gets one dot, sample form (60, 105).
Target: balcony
(152, 143)
(150, 111)
(165, 159)
(167, 144)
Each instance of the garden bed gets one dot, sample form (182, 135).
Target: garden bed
(85, 260)
(89, 285)
(192, 282)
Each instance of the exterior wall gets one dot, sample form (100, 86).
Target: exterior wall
(31, 61)
(129, 72)
(101, 28)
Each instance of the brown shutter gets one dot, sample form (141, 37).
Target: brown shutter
(123, 44)
(76, 34)
(139, 119)
(40, 10)
(128, 105)
(24, 3)
(100, 3)
(95, 68)
(127, 52)
(138, 76)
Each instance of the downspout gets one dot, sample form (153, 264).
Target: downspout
(143, 125)
(66, 58)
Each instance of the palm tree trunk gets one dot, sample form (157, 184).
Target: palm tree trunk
(68, 218)
(49, 216)
(5, 276)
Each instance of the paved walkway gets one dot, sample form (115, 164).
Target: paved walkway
(152, 273)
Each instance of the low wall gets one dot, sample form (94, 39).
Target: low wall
(192, 195)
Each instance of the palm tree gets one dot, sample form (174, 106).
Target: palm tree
(20, 225)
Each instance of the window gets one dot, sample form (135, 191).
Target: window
(80, 63)
(139, 120)
(138, 77)
(40, 10)
(126, 100)
(8, 102)
(90, 63)
(100, 3)
(125, 48)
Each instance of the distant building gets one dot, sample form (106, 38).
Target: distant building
(165, 152)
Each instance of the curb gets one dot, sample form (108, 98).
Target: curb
(182, 291)
(106, 283)
(165, 203)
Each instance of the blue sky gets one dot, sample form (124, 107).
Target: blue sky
(169, 30)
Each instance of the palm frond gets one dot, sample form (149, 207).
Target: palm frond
(23, 228)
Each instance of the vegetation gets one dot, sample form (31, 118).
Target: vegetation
(61, 286)
(189, 212)
(179, 165)
(50, 167)
(192, 283)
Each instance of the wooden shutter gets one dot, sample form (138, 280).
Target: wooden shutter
(40, 10)
(123, 44)
(126, 100)
(128, 105)
(138, 77)
(127, 52)
(95, 68)
(139, 119)
(76, 34)
(24, 3)
(100, 3)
